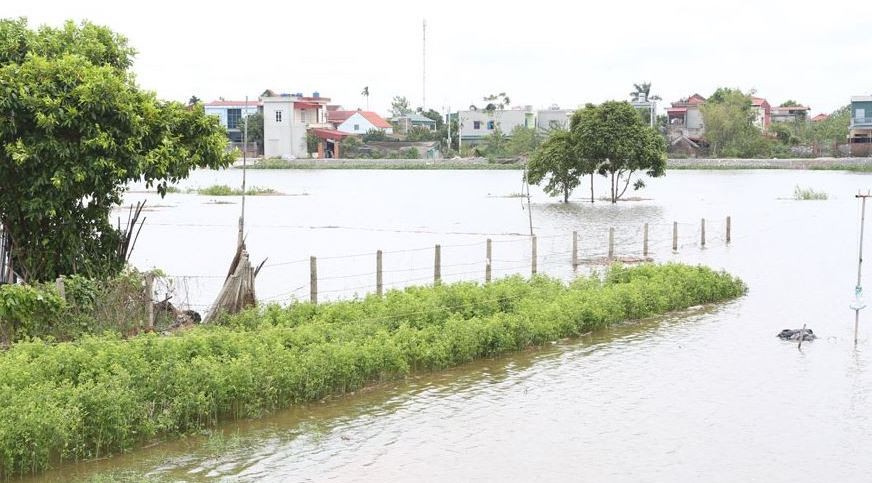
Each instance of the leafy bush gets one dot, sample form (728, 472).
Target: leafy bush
(104, 394)
(224, 190)
(804, 194)
(26, 311)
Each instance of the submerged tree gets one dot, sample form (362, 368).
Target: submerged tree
(75, 129)
(613, 138)
(557, 163)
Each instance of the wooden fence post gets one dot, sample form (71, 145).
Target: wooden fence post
(149, 296)
(645, 241)
(728, 230)
(437, 265)
(487, 262)
(574, 250)
(313, 280)
(379, 285)
(674, 236)
(533, 256)
(611, 243)
(59, 283)
(702, 232)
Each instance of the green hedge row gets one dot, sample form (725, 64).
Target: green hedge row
(101, 395)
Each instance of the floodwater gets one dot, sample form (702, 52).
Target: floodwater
(706, 395)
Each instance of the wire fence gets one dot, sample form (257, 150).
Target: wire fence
(563, 255)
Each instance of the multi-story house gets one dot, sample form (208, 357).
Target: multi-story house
(762, 113)
(685, 119)
(860, 129)
(475, 125)
(790, 113)
(231, 114)
(286, 120)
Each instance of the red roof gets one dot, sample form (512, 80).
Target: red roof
(329, 133)
(676, 109)
(251, 103)
(820, 117)
(758, 101)
(695, 99)
(338, 117)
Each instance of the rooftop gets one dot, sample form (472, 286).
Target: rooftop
(221, 103)
(339, 117)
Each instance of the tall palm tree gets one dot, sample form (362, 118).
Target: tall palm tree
(365, 93)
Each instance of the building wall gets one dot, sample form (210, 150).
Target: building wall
(362, 124)
(694, 119)
(285, 138)
(545, 119)
(221, 111)
(488, 122)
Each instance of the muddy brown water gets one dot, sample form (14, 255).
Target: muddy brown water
(706, 395)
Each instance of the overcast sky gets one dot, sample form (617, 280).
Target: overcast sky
(539, 52)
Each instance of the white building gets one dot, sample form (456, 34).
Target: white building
(358, 122)
(553, 118)
(231, 114)
(286, 118)
(478, 124)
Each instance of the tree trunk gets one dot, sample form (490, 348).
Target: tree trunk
(565, 194)
(614, 189)
(626, 185)
(591, 187)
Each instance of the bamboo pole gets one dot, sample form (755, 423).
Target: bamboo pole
(702, 232)
(574, 250)
(437, 265)
(149, 307)
(379, 285)
(611, 243)
(487, 261)
(533, 256)
(729, 234)
(313, 280)
(674, 236)
(645, 241)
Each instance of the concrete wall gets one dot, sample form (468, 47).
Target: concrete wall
(545, 119)
(285, 138)
(506, 121)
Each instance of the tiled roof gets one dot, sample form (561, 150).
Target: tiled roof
(339, 117)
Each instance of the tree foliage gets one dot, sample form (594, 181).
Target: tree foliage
(400, 106)
(613, 138)
(74, 130)
(495, 144)
(729, 125)
(255, 127)
(523, 141)
(556, 162)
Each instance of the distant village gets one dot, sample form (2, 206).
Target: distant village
(297, 126)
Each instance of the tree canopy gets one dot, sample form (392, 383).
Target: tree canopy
(75, 129)
(729, 125)
(556, 162)
(400, 106)
(612, 137)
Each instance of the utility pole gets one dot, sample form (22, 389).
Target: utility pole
(858, 303)
(244, 165)
(424, 68)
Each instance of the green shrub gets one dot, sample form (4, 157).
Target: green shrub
(804, 194)
(104, 394)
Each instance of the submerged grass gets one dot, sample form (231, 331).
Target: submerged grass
(366, 164)
(224, 190)
(802, 194)
(102, 395)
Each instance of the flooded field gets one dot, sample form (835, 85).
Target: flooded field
(709, 395)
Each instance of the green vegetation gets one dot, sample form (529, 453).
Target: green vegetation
(75, 129)
(728, 115)
(556, 162)
(224, 190)
(102, 395)
(800, 193)
(173, 189)
(375, 164)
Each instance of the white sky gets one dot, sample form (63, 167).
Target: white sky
(539, 52)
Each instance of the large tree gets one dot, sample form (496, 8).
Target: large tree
(75, 129)
(612, 137)
(556, 162)
(400, 106)
(728, 117)
(255, 128)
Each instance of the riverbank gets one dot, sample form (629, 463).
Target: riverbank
(103, 395)
(834, 164)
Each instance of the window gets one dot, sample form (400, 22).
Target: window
(490, 125)
(859, 114)
(233, 117)
(278, 116)
(357, 127)
(476, 124)
(303, 116)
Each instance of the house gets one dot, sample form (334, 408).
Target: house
(408, 121)
(820, 117)
(286, 120)
(475, 124)
(231, 115)
(358, 122)
(790, 113)
(685, 119)
(762, 113)
(860, 129)
(553, 119)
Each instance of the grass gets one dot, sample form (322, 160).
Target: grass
(102, 394)
(802, 194)
(173, 189)
(224, 190)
